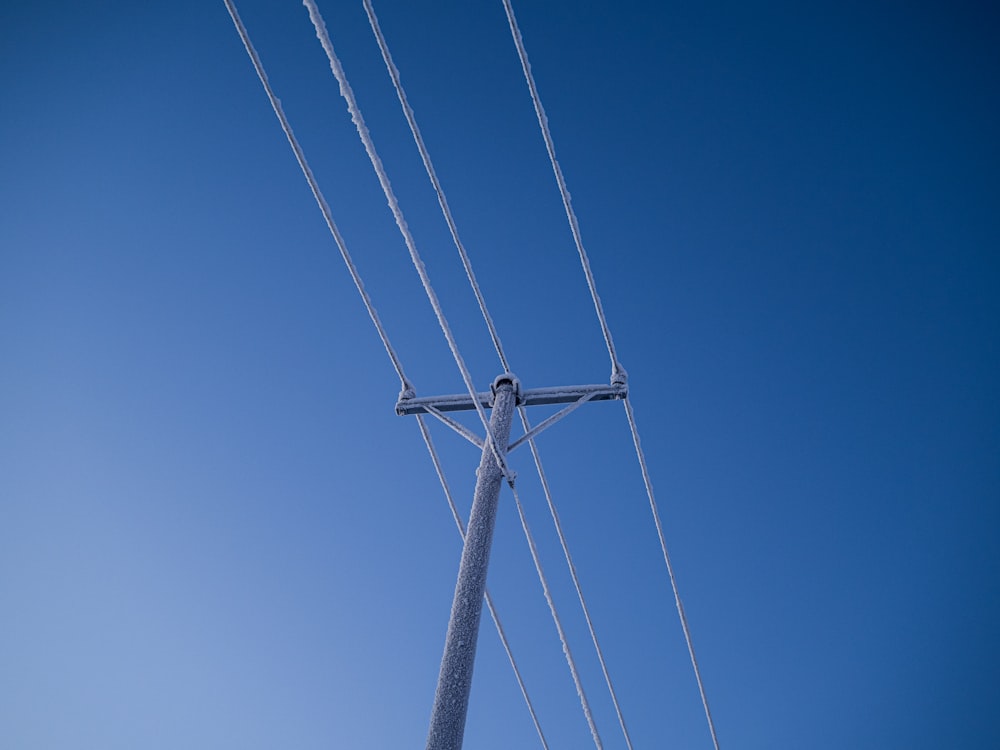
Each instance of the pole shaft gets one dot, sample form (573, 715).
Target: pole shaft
(451, 701)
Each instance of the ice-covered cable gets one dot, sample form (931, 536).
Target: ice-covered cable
(318, 195)
(348, 94)
(640, 454)
(574, 225)
(369, 306)
(489, 600)
(576, 579)
(558, 623)
(432, 174)
(617, 369)
(494, 335)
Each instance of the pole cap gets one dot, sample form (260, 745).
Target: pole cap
(507, 377)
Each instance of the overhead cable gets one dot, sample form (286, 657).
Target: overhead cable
(617, 370)
(432, 174)
(300, 157)
(495, 336)
(406, 386)
(359, 122)
(555, 617)
(670, 568)
(576, 583)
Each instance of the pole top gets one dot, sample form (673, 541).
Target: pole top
(507, 377)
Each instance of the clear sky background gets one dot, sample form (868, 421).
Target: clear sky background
(215, 532)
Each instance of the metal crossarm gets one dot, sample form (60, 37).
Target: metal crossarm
(529, 397)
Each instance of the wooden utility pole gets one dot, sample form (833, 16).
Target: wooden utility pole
(451, 700)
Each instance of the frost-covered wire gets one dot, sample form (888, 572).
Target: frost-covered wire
(359, 122)
(576, 581)
(300, 157)
(405, 385)
(555, 618)
(489, 600)
(616, 368)
(497, 344)
(432, 174)
(670, 568)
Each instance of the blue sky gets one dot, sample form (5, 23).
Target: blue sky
(214, 531)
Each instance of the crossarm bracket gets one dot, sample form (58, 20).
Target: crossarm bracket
(528, 397)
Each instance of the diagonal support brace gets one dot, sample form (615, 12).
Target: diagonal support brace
(545, 424)
(458, 427)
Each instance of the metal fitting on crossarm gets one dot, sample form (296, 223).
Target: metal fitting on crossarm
(406, 392)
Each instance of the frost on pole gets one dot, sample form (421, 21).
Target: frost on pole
(451, 700)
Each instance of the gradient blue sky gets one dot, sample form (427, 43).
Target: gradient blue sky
(214, 532)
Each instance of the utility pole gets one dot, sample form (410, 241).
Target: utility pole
(451, 700)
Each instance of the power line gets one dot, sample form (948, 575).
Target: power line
(495, 336)
(670, 568)
(576, 584)
(432, 174)
(407, 389)
(359, 122)
(300, 157)
(617, 370)
(358, 119)
(555, 618)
